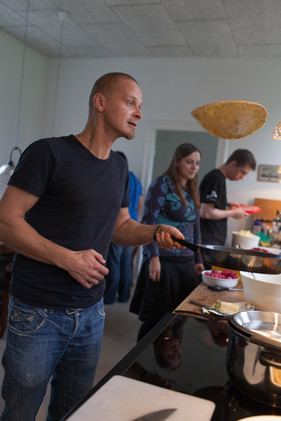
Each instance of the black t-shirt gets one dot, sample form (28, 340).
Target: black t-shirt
(80, 197)
(213, 190)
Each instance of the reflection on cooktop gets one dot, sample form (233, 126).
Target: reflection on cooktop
(232, 405)
(189, 356)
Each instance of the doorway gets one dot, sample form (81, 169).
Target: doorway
(168, 140)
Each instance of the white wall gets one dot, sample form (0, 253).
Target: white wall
(31, 109)
(172, 88)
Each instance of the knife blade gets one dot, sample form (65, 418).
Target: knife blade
(160, 415)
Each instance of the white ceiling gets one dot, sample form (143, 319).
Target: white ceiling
(147, 28)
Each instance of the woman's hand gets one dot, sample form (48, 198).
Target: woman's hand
(154, 269)
(199, 267)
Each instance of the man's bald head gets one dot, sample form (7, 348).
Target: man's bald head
(108, 83)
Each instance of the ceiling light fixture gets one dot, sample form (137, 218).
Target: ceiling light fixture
(8, 168)
(62, 16)
(276, 134)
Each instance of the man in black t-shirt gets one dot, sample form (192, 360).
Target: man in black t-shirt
(66, 200)
(214, 206)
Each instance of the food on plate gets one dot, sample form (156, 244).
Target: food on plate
(224, 274)
(223, 278)
(246, 233)
(260, 249)
(231, 308)
(231, 119)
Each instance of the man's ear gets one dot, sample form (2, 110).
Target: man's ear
(233, 164)
(99, 102)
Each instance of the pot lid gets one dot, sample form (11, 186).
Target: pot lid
(231, 119)
(261, 327)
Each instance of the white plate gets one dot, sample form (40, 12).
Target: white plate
(209, 280)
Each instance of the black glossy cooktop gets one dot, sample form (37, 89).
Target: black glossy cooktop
(189, 355)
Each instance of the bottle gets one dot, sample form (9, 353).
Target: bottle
(257, 226)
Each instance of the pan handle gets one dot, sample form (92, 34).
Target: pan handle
(185, 243)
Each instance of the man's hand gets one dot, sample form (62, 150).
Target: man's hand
(87, 268)
(238, 213)
(162, 235)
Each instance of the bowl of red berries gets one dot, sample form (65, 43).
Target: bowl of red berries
(225, 278)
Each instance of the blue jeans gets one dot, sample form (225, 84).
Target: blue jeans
(118, 281)
(41, 344)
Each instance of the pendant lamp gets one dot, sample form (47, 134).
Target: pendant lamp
(276, 134)
(8, 168)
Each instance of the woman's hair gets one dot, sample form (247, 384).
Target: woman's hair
(181, 152)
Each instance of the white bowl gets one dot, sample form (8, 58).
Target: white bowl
(262, 290)
(225, 283)
(244, 241)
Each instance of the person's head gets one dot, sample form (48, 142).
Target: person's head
(239, 164)
(116, 98)
(168, 353)
(183, 170)
(167, 346)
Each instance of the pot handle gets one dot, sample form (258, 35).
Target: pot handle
(272, 360)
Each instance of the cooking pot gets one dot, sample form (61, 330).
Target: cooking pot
(245, 241)
(235, 258)
(253, 357)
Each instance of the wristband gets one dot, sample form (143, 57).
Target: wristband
(155, 232)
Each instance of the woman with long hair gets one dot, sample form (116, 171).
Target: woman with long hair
(168, 276)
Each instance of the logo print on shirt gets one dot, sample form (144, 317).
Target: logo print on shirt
(212, 196)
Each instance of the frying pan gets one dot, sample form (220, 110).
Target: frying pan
(236, 259)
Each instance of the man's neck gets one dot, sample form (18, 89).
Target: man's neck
(95, 143)
(224, 171)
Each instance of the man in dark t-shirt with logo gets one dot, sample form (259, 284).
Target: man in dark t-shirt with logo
(214, 206)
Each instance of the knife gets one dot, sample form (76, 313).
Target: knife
(161, 415)
(211, 308)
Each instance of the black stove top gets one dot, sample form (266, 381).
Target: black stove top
(188, 355)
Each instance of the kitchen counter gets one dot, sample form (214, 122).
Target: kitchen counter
(196, 365)
(208, 297)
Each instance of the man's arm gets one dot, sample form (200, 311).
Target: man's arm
(128, 232)
(85, 266)
(208, 211)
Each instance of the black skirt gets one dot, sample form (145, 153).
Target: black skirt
(152, 300)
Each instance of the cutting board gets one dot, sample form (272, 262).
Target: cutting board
(268, 209)
(124, 399)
